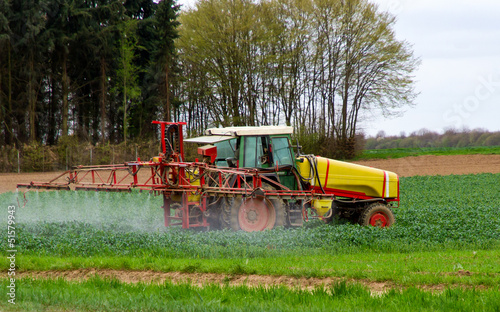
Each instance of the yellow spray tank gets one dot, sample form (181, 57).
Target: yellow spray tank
(345, 179)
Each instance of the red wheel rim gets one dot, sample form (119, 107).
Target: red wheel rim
(379, 219)
(256, 215)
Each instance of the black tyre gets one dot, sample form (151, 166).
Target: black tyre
(377, 214)
(280, 210)
(279, 207)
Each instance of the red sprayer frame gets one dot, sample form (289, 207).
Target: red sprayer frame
(185, 185)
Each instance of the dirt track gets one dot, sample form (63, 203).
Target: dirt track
(405, 167)
(202, 279)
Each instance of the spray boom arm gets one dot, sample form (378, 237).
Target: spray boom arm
(172, 139)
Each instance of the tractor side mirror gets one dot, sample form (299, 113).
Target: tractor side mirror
(299, 148)
(232, 162)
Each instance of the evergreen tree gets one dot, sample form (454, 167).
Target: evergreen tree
(164, 54)
(28, 25)
(91, 68)
(127, 72)
(5, 74)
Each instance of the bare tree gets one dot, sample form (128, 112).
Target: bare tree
(314, 64)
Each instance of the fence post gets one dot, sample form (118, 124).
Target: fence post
(66, 158)
(91, 155)
(18, 163)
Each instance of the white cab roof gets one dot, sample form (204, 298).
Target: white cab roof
(243, 131)
(214, 135)
(209, 139)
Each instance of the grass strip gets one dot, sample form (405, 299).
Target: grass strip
(101, 294)
(448, 267)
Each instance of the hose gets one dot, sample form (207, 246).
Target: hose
(317, 174)
(314, 170)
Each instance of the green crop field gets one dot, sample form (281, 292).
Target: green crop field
(443, 253)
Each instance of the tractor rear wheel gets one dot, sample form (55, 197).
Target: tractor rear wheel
(377, 214)
(254, 214)
(257, 213)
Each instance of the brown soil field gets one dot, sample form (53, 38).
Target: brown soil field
(405, 167)
(438, 165)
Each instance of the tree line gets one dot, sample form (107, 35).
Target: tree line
(102, 70)
(426, 138)
(95, 69)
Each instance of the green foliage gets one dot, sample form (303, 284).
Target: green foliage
(436, 213)
(66, 146)
(320, 144)
(127, 85)
(34, 154)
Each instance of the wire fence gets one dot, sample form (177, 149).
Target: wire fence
(40, 158)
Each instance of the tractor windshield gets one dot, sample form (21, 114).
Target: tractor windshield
(281, 151)
(265, 152)
(257, 152)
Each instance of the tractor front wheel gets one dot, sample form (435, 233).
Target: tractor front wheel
(377, 214)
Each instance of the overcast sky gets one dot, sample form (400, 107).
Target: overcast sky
(458, 43)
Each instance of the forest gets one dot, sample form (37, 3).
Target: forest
(94, 69)
(102, 70)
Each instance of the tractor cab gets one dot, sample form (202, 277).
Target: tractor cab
(263, 151)
(267, 148)
(248, 147)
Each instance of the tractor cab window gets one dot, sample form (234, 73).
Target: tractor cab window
(227, 153)
(257, 152)
(281, 151)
